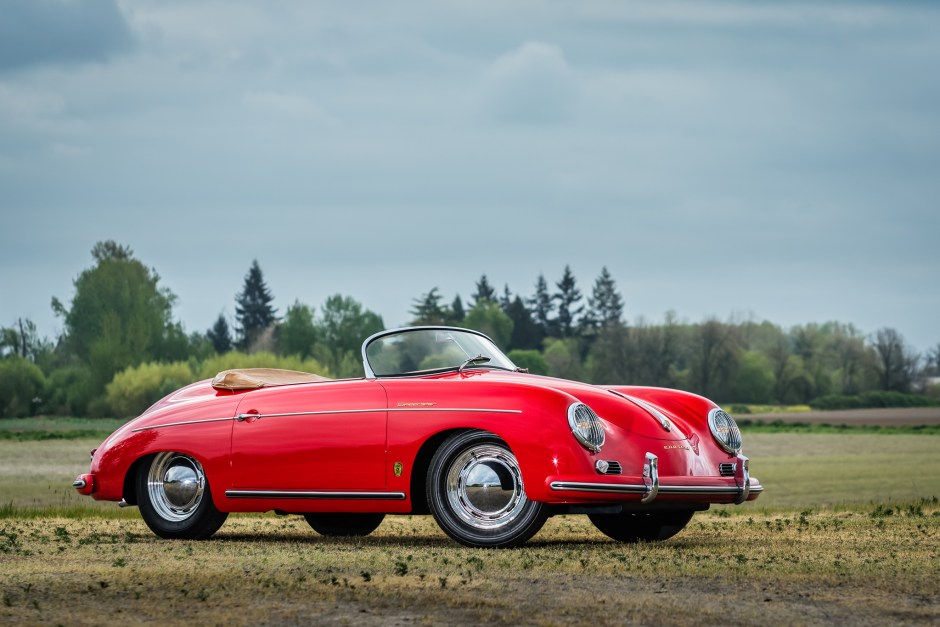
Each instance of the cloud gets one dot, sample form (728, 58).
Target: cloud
(35, 32)
(532, 85)
(287, 104)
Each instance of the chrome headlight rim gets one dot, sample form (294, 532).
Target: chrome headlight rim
(725, 430)
(592, 438)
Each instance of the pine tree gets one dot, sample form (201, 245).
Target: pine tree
(526, 334)
(219, 335)
(568, 296)
(427, 309)
(457, 311)
(506, 299)
(253, 309)
(540, 306)
(484, 293)
(605, 305)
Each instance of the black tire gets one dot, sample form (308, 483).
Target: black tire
(461, 496)
(174, 498)
(344, 524)
(637, 526)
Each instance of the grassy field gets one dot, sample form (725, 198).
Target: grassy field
(848, 530)
(811, 567)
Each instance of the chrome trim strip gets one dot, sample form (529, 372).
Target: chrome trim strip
(178, 424)
(582, 486)
(243, 417)
(664, 422)
(325, 412)
(316, 494)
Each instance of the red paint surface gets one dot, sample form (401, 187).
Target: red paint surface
(357, 451)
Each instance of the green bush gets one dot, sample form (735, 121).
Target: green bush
(933, 391)
(70, 391)
(874, 399)
(530, 359)
(136, 388)
(21, 386)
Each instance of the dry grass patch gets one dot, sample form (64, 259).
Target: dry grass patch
(875, 566)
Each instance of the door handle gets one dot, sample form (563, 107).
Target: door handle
(248, 416)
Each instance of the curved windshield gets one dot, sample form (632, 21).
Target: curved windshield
(424, 351)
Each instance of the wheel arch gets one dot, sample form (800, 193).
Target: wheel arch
(129, 492)
(420, 466)
(211, 470)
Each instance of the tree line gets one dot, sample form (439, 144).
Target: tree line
(121, 347)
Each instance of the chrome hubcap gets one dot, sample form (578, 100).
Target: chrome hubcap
(175, 484)
(484, 487)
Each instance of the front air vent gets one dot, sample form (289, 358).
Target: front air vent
(727, 470)
(614, 468)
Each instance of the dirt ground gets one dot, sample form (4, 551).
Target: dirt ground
(875, 567)
(899, 417)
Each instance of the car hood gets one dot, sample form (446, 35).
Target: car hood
(658, 413)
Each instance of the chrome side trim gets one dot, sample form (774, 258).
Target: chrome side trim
(179, 424)
(243, 417)
(326, 412)
(650, 478)
(315, 494)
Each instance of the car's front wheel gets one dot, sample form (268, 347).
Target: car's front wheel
(476, 495)
(636, 526)
(174, 498)
(344, 524)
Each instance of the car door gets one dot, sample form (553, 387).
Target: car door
(319, 436)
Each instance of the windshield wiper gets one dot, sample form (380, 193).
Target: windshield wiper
(473, 361)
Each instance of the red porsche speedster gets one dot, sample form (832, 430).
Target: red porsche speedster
(441, 423)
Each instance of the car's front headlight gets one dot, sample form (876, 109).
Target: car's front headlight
(586, 426)
(725, 430)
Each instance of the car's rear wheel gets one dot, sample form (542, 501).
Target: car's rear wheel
(344, 524)
(476, 495)
(174, 498)
(637, 526)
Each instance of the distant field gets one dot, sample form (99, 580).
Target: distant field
(900, 417)
(822, 470)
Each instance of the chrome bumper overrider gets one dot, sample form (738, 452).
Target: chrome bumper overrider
(651, 487)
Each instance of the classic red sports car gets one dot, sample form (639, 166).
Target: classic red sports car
(441, 423)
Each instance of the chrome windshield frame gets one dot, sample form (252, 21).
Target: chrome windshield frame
(370, 374)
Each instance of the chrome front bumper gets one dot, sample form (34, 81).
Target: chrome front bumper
(651, 488)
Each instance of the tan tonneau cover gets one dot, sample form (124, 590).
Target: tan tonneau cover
(254, 378)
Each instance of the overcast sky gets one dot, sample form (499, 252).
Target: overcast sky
(780, 160)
